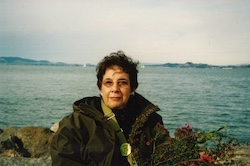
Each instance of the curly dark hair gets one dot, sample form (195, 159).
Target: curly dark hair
(121, 60)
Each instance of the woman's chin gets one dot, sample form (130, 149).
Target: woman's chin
(116, 106)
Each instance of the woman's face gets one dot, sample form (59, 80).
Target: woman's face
(115, 88)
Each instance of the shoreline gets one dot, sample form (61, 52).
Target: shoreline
(42, 161)
(31, 146)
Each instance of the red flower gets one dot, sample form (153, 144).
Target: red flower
(148, 143)
(192, 164)
(206, 158)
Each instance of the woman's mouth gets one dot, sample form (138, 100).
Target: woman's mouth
(115, 98)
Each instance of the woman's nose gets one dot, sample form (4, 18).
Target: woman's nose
(115, 87)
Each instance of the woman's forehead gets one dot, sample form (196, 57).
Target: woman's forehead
(115, 72)
(115, 67)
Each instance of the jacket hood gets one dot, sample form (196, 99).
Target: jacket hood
(89, 106)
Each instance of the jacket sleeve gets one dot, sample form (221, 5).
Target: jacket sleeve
(67, 146)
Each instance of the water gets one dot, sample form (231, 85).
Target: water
(206, 98)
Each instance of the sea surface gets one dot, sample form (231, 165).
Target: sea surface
(206, 98)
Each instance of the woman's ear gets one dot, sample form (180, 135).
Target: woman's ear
(100, 92)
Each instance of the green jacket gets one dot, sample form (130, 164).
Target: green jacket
(85, 137)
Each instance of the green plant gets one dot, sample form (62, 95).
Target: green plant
(191, 147)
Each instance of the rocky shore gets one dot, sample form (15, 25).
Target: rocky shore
(25, 146)
(30, 146)
(24, 161)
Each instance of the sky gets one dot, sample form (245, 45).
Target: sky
(215, 32)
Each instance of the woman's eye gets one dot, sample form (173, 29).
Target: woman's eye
(123, 83)
(108, 83)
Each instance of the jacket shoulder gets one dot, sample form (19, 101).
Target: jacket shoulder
(92, 101)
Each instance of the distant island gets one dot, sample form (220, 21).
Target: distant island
(199, 65)
(23, 61)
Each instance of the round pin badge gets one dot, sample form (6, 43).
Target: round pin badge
(125, 149)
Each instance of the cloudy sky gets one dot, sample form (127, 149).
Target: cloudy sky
(176, 31)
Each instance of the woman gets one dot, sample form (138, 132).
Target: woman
(91, 135)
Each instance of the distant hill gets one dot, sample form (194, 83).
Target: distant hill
(23, 61)
(189, 65)
(197, 65)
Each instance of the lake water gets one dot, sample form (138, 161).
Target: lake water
(206, 98)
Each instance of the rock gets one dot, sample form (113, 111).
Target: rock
(242, 155)
(15, 161)
(27, 142)
(7, 132)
